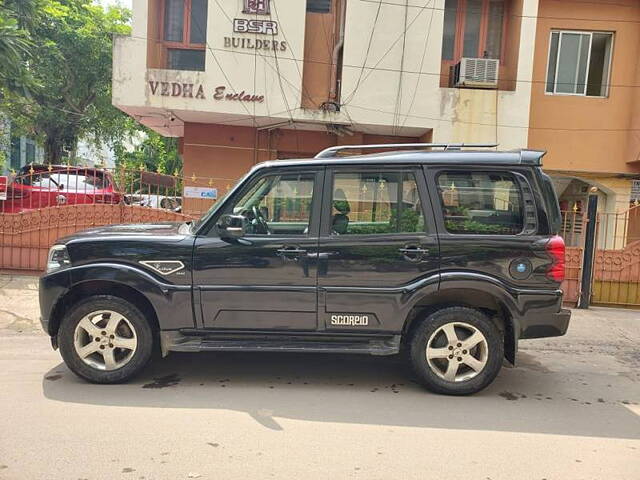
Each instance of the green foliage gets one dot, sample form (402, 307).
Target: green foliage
(473, 226)
(155, 153)
(66, 92)
(369, 228)
(15, 45)
(409, 223)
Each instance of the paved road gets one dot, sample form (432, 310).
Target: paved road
(571, 410)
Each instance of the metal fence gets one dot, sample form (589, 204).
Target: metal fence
(616, 269)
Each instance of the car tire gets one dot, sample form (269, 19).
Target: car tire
(445, 356)
(105, 339)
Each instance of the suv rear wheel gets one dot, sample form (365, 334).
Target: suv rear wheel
(105, 339)
(457, 351)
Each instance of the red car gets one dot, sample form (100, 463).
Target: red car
(40, 186)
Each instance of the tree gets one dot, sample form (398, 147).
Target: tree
(15, 46)
(154, 153)
(70, 95)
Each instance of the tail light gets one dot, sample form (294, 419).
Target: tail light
(556, 249)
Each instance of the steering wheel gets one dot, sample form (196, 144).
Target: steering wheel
(261, 224)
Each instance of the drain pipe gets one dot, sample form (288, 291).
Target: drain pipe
(333, 94)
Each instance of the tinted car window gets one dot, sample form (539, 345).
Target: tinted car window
(376, 202)
(282, 201)
(481, 203)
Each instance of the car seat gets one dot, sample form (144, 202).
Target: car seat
(340, 222)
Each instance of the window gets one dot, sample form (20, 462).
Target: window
(481, 203)
(71, 181)
(179, 59)
(635, 191)
(185, 33)
(579, 63)
(319, 6)
(278, 204)
(376, 203)
(30, 151)
(16, 160)
(473, 28)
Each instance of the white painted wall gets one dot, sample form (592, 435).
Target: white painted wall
(370, 94)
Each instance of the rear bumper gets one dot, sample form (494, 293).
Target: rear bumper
(547, 325)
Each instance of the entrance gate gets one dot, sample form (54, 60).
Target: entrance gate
(616, 266)
(616, 270)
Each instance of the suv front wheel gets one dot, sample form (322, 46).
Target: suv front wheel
(457, 351)
(105, 339)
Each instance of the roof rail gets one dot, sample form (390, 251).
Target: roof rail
(332, 152)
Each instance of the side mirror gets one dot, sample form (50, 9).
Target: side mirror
(232, 227)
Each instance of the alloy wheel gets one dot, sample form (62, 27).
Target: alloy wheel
(105, 340)
(457, 352)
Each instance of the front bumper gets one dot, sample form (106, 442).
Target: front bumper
(52, 289)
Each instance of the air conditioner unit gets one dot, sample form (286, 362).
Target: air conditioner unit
(476, 73)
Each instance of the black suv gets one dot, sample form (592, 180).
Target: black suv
(449, 256)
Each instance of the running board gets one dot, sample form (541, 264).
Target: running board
(177, 342)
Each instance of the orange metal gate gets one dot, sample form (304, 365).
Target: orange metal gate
(616, 270)
(26, 237)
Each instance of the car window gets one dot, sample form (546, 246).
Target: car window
(43, 181)
(488, 203)
(79, 183)
(278, 204)
(71, 182)
(376, 202)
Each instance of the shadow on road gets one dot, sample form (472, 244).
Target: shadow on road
(359, 389)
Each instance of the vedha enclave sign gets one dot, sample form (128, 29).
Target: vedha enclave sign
(191, 90)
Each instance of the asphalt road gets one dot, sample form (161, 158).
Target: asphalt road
(571, 410)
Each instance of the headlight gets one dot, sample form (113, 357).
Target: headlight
(58, 258)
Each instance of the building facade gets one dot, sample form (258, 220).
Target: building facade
(243, 81)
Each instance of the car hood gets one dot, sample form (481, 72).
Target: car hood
(176, 230)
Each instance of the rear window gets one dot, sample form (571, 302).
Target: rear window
(485, 203)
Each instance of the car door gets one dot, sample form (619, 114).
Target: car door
(378, 242)
(267, 279)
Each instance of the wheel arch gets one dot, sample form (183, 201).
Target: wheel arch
(494, 305)
(102, 287)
